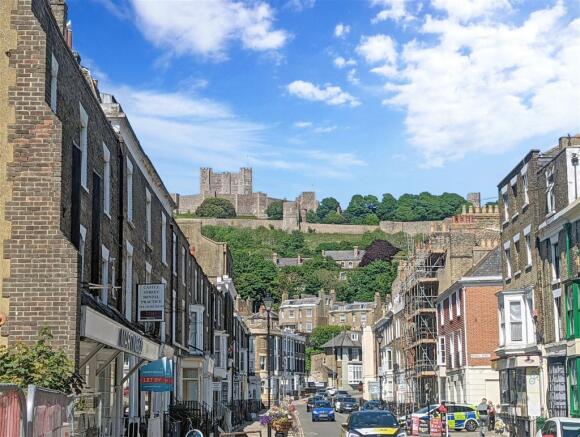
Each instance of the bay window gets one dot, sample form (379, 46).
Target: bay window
(515, 315)
(516, 318)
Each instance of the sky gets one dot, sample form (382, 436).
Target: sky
(338, 96)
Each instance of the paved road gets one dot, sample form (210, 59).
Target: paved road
(322, 429)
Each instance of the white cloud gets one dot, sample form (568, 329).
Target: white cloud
(352, 76)
(377, 48)
(341, 30)
(325, 129)
(392, 10)
(341, 62)
(300, 5)
(465, 10)
(208, 28)
(303, 124)
(329, 94)
(485, 87)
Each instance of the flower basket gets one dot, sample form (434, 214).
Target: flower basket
(280, 418)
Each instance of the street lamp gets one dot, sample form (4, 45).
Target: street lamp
(268, 301)
(379, 341)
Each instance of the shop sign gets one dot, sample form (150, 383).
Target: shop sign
(150, 302)
(157, 376)
(130, 341)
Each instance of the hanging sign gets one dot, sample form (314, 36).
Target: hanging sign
(150, 302)
(157, 376)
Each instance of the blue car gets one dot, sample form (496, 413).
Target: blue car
(322, 410)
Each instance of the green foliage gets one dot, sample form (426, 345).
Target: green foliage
(387, 207)
(254, 276)
(362, 283)
(327, 206)
(312, 217)
(319, 336)
(275, 210)
(360, 207)
(334, 218)
(426, 206)
(39, 364)
(216, 207)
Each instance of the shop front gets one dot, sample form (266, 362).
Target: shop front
(111, 354)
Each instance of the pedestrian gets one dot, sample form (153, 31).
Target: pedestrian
(482, 410)
(491, 415)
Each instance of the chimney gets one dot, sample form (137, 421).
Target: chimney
(60, 12)
(355, 251)
(68, 35)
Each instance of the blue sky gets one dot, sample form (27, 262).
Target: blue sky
(340, 97)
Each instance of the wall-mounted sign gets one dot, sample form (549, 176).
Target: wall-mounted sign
(157, 376)
(130, 341)
(150, 302)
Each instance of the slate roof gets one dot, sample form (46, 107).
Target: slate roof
(344, 255)
(303, 301)
(342, 306)
(344, 339)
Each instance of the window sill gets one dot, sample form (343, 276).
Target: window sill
(525, 207)
(165, 263)
(84, 187)
(517, 274)
(149, 245)
(528, 268)
(515, 216)
(107, 214)
(505, 223)
(508, 279)
(131, 224)
(550, 214)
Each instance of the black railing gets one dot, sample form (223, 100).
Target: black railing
(185, 414)
(243, 409)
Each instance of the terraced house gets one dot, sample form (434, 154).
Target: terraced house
(87, 231)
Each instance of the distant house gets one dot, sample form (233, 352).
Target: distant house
(346, 259)
(343, 360)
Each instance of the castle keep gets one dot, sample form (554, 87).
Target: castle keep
(239, 190)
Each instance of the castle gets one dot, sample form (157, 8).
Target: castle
(239, 190)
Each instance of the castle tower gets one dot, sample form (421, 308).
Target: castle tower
(474, 199)
(205, 180)
(245, 181)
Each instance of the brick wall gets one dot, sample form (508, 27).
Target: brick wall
(481, 319)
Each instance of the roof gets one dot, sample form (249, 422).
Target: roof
(344, 255)
(297, 302)
(286, 262)
(488, 269)
(343, 306)
(344, 339)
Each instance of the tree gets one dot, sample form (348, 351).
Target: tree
(39, 364)
(334, 218)
(362, 283)
(216, 207)
(323, 334)
(359, 207)
(326, 206)
(387, 207)
(312, 217)
(379, 250)
(275, 210)
(254, 276)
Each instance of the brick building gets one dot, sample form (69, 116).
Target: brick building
(86, 221)
(467, 330)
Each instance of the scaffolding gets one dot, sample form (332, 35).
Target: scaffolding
(419, 289)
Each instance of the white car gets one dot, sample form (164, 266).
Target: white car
(560, 427)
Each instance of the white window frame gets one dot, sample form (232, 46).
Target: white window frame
(452, 349)
(82, 245)
(163, 238)
(148, 216)
(441, 314)
(183, 256)
(441, 351)
(342, 318)
(308, 326)
(129, 282)
(508, 301)
(508, 259)
(450, 308)
(459, 350)
(555, 259)
(458, 302)
(163, 336)
(148, 270)
(129, 191)
(506, 204)
(83, 142)
(525, 183)
(106, 181)
(550, 196)
(196, 334)
(528, 240)
(354, 336)
(104, 294)
(558, 314)
(308, 312)
(174, 254)
(53, 83)
(502, 322)
(291, 314)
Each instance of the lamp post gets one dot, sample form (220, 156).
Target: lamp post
(268, 301)
(379, 341)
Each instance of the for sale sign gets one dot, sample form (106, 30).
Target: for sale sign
(150, 302)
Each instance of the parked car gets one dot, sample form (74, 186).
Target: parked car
(322, 410)
(371, 422)
(346, 405)
(372, 405)
(311, 401)
(459, 416)
(336, 398)
(560, 427)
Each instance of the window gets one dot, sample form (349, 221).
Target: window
(104, 295)
(190, 384)
(84, 139)
(217, 350)
(441, 314)
(517, 255)
(174, 316)
(342, 318)
(514, 184)
(148, 216)
(450, 307)
(558, 315)
(506, 204)
(525, 183)
(515, 317)
(354, 336)
(389, 359)
(308, 326)
(308, 312)
(107, 181)
(459, 350)
(501, 317)
(570, 311)
(550, 196)
(354, 373)
(129, 283)
(53, 82)
(441, 351)
(163, 238)
(458, 302)
(528, 238)
(196, 328)
(555, 261)
(129, 191)
(452, 349)
(290, 314)
(508, 259)
(363, 319)
(174, 254)
(147, 273)
(83, 239)
(183, 265)
(163, 332)
(573, 371)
